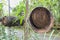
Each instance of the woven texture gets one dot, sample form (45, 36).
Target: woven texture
(40, 18)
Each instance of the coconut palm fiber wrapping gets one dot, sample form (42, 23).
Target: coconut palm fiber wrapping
(40, 18)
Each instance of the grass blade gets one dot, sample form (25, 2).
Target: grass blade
(56, 36)
(44, 35)
(51, 34)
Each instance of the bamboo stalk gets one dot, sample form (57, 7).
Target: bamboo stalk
(26, 29)
(9, 6)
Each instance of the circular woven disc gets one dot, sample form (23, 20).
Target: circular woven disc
(40, 18)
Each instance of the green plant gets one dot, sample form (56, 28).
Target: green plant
(1, 6)
(20, 11)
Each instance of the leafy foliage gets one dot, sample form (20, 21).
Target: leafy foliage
(1, 6)
(20, 11)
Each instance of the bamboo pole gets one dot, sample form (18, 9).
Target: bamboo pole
(9, 6)
(26, 29)
(9, 28)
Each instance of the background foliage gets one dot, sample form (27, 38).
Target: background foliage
(20, 11)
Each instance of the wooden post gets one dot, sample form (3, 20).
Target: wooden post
(9, 6)
(9, 28)
(26, 29)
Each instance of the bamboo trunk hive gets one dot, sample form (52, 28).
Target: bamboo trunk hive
(41, 19)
